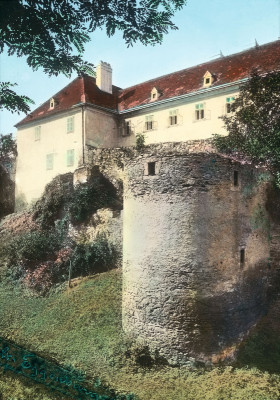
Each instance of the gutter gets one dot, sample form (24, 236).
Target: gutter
(184, 96)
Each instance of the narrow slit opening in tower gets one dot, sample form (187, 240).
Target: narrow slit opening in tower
(235, 178)
(242, 256)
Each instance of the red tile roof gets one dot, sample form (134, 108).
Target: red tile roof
(81, 90)
(225, 70)
(228, 69)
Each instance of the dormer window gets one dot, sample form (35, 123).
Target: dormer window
(52, 103)
(208, 79)
(154, 94)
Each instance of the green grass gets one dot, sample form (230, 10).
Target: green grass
(81, 327)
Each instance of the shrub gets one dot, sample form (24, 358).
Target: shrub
(50, 206)
(88, 198)
(93, 257)
(30, 248)
(140, 141)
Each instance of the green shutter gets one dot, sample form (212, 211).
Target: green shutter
(70, 124)
(49, 161)
(70, 158)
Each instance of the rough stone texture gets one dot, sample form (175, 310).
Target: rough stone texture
(185, 290)
(7, 193)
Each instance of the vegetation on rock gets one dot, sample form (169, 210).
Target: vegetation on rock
(254, 123)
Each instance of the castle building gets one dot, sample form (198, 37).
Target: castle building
(181, 106)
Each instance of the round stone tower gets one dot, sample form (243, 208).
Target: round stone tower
(196, 250)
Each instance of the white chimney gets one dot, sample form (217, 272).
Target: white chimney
(104, 77)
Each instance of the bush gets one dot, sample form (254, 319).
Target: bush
(29, 248)
(140, 141)
(88, 198)
(93, 257)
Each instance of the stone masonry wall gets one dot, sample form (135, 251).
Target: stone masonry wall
(186, 289)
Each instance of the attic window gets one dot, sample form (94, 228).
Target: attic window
(52, 103)
(208, 79)
(154, 94)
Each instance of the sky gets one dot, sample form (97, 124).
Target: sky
(205, 28)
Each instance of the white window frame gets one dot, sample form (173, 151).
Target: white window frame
(199, 111)
(173, 117)
(149, 123)
(229, 101)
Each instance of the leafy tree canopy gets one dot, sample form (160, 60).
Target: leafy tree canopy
(8, 148)
(254, 124)
(52, 33)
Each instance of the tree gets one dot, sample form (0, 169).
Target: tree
(8, 148)
(52, 33)
(254, 124)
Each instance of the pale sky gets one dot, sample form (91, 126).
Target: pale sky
(206, 27)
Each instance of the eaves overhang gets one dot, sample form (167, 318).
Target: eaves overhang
(190, 96)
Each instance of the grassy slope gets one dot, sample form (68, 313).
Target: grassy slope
(82, 327)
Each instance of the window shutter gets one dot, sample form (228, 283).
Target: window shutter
(180, 119)
(207, 114)
(155, 124)
(70, 124)
(49, 161)
(70, 158)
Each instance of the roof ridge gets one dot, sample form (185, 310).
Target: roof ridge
(199, 65)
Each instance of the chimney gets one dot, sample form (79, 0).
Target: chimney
(104, 77)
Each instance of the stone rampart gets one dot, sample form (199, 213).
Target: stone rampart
(196, 251)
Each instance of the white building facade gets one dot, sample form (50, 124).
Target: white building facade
(185, 105)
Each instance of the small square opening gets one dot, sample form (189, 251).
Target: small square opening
(151, 168)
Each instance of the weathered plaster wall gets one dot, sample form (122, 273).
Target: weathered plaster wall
(103, 130)
(32, 174)
(185, 291)
(187, 127)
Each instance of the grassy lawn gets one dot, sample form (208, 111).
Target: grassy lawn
(81, 327)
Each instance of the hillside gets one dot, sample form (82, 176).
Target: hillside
(77, 324)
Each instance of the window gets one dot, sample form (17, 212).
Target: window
(242, 256)
(152, 168)
(70, 124)
(37, 133)
(149, 123)
(127, 128)
(49, 161)
(199, 111)
(229, 101)
(208, 79)
(235, 178)
(70, 158)
(173, 117)
(154, 94)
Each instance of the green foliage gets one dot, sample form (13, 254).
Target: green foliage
(48, 207)
(8, 147)
(254, 126)
(82, 327)
(52, 34)
(93, 257)
(12, 101)
(29, 248)
(88, 198)
(140, 141)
